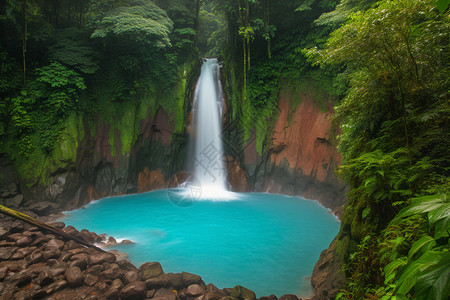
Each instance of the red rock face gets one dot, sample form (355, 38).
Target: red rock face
(305, 141)
(157, 127)
(150, 180)
(236, 177)
(302, 160)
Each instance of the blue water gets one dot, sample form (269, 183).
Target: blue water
(268, 243)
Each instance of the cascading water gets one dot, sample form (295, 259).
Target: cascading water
(208, 169)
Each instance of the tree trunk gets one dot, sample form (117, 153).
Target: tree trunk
(197, 13)
(244, 90)
(24, 39)
(44, 226)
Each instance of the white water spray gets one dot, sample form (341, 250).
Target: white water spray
(208, 155)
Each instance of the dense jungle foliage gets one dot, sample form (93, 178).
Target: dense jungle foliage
(65, 60)
(386, 64)
(393, 57)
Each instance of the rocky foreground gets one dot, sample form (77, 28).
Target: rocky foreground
(35, 264)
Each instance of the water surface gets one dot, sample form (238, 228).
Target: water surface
(266, 242)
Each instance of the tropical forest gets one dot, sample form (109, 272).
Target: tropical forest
(225, 149)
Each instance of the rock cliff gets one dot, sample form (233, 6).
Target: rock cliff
(301, 158)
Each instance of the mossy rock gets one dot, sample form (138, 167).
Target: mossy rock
(242, 293)
(150, 270)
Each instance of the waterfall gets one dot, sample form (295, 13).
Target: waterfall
(208, 158)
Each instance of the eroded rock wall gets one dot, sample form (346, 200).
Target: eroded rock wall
(301, 159)
(127, 148)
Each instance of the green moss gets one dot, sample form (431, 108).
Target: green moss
(66, 149)
(38, 167)
(313, 83)
(111, 140)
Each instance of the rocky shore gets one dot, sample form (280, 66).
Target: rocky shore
(36, 264)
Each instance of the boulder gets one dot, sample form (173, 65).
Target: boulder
(194, 290)
(35, 257)
(164, 293)
(111, 272)
(43, 208)
(133, 291)
(14, 202)
(126, 265)
(101, 257)
(80, 260)
(55, 286)
(95, 270)
(114, 289)
(46, 255)
(90, 279)
(189, 278)
(288, 297)
(176, 280)
(161, 281)
(213, 293)
(59, 225)
(45, 278)
(271, 297)
(74, 276)
(7, 252)
(20, 279)
(3, 232)
(24, 241)
(131, 276)
(242, 293)
(150, 270)
(54, 244)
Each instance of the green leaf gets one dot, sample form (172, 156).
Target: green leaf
(440, 213)
(365, 213)
(420, 205)
(442, 228)
(399, 297)
(442, 5)
(425, 243)
(409, 276)
(392, 267)
(306, 5)
(435, 281)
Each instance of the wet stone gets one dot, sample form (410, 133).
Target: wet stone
(55, 286)
(150, 293)
(111, 272)
(135, 290)
(95, 270)
(7, 252)
(161, 281)
(114, 289)
(271, 297)
(189, 278)
(99, 258)
(74, 276)
(45, 278)
(50, 254)
(126, 265)
(55, 244)
(24, 241)
(90, 279)
(194, 290)
(150, 270)
(288, 297)
(36, 256)
(130, 276)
